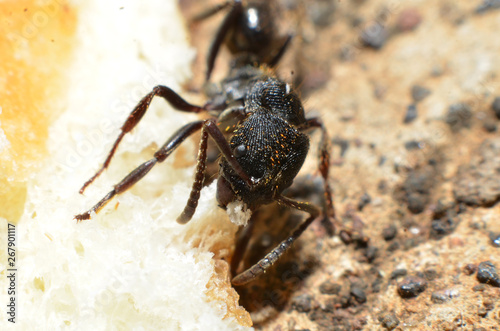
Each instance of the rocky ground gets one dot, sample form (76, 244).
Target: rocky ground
(409, 91)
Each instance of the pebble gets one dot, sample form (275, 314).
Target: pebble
(363, 201)
(459, 116)
(487, 5)
(359, 294)
(411, 114)
(374, 36)
(495, 239)
(302, 303)
(408, 20)
(398, 273)
(390, 232)
(496, 107)
(413, 144)
(487, 273)
(444, 226)
(389, 321)
(444, 295)
(470, 269)
(329, 287)
(371, 253)
(411, 286)
(419, 93)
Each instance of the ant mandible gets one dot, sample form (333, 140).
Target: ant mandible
(259, 131)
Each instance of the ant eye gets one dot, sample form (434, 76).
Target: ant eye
(240, 151)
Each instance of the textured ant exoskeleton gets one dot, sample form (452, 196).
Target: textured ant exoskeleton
(249, 32)
(259, 131)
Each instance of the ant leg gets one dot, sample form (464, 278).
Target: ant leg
(211, 129)
(274, 61)
(267, 261)
(136, 115)
(136, 175)
(324, 167)
(229, 21)
(242, 243)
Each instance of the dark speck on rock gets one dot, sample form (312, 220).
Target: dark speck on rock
(495, 239)
(389, 232)
(374, 36)
(359, 294)
(302, 303)
(398, 273)
(487, 5)
(411, 286)
(419, 93)
(363, 201)
(411, 114)
(496, 106)
(371, 253)
(413, 144)
(459, 116)
(487, 274)
(470, 269)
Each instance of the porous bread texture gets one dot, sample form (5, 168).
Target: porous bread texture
(132, 266)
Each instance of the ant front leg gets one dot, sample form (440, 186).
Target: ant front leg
(136, 115)
(211, 129)
(265, 263)
(144, 168)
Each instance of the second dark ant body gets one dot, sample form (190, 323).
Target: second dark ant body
(258, 129)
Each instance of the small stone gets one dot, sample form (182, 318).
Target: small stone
(329, 287)
(469, 269)
(482, 312)
(398, 273)
(419, 93)
(408, 20)
(363, 201)
(411, 286)
(389, 321)
(487, 5)
(389, 232)
(444, 295)
(302, 303)
(496, 107)
(394, 246)
(459, 116)
(489, 126)
(479, 288)
(411, 114)
(374, 36)
(495, 239)
(358, 294)
(487, 274)
(413, 144)
(371, 253)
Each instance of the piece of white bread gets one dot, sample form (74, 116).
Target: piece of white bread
(131, 266)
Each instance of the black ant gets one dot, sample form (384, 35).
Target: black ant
(259, 131)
